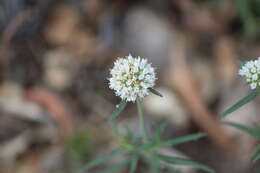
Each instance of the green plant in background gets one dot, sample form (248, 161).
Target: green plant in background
(248, 17)
(251, 71)
(133, 79)
(78, 150)
(247, 12)
(80, 144)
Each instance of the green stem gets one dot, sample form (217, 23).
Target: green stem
(112, 119)
(141, 120)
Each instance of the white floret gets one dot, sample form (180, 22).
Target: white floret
(253, 85)
(251, 70)
(131, 78)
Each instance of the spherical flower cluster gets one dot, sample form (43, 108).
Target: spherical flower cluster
(131, 78)
(251, 70)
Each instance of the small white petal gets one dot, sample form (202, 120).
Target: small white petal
(253, 85)
(255, 76)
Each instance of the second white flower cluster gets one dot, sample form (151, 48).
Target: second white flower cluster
(251, 70)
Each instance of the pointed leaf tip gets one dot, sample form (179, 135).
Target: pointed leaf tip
(183, 161)
(155, 92)
(240, 103)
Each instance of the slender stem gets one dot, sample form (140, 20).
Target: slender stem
(141, 120)
(112, 120)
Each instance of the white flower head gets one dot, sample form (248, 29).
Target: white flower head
(251, 70)
(131, 78)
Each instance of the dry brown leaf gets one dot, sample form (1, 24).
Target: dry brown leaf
(53, 104)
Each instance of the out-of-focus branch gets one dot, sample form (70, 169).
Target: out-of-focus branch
(225, 55)
(11, 29)
(7, 35)
(182, 80)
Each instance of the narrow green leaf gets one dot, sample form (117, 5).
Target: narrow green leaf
(155, 92)
(118, 110)
(255, 152)
(133, 164)
(159, 131)
(102, 159)
(114, 115)
(183, 139)
(257, 157)
(141, 148)
(116, 167)
(243, 128)
(155, 164)
(240, 103)
(181, 161)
